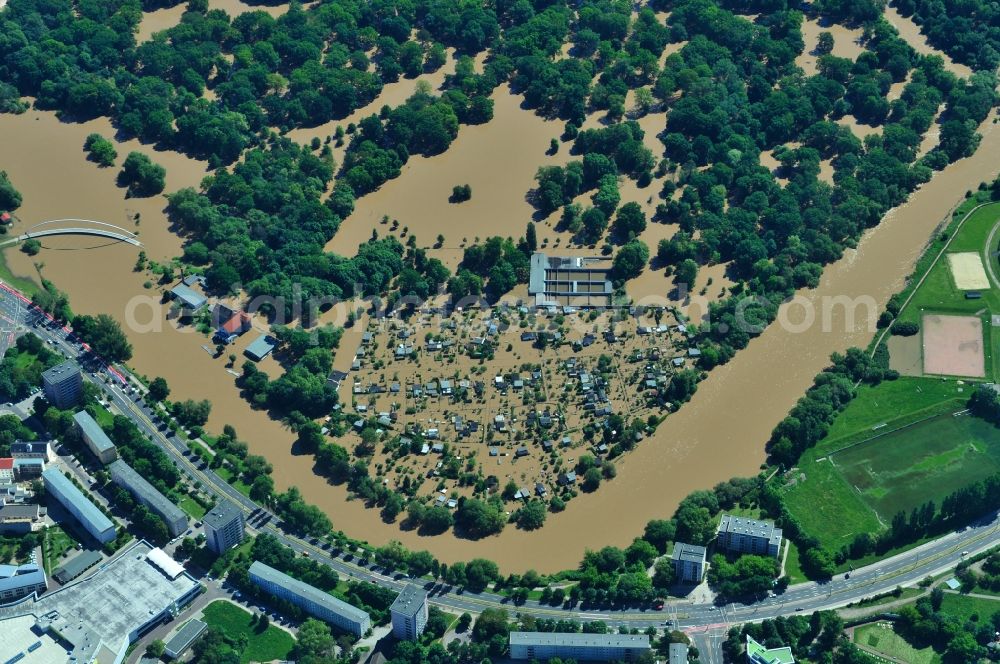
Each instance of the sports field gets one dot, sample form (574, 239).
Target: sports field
(953, 345)
(967, 270)
(926, 461)
(880, 638)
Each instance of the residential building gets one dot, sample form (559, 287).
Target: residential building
(92, 519)
(677, 653)
(184, 638)
(41, 449)
(570, 281)
(589, 647)
(95, 438)
(17, 581)
(741, 535)
(224, 527)
(260, 347)
(189, 299)
(96, 618)
(312, 600)
(689, 563)
(234, 327)
(758, 654)
(63, 384)
(409, 613)
(145, 493)
(28, 469)
(17, 518)
(6, 470)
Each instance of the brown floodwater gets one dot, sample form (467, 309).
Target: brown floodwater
(910, 31)
(719, 434)
(161, 19)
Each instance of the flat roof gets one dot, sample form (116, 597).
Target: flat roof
(185, 636)
(96, 614)
(306, 591)
(90, 428)
(744, 526)
(579, 640)
(77, 565)
(220, 515)
(34, 647)
(60, 371)
(409, 601)
(759, 654)
(19, 576)
(165, 563)
(88, 510)
(125, 475)
(688, 552)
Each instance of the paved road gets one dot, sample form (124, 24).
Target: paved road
(704, 620)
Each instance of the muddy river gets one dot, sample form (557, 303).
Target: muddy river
(718, 435)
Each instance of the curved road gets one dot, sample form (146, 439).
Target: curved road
(907, 568)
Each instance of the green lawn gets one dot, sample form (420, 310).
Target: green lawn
(793, 568)
(55, 543)
(192, 507)
(273, 643)
(965, 607)
(885, 641)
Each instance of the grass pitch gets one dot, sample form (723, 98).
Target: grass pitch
(271, 644)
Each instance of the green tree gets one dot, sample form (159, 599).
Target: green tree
(105, 336)
(156, 648)
(31, 246)
(313, 639)
(141, 176)
(630, 221)
(158, 389)
(630, 261)
(100, 150)
(10, 198)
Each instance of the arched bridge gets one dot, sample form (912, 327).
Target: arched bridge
(76, 227)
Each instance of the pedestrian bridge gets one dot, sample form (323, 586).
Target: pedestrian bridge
(75, 227)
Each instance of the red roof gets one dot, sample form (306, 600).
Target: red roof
(237, 323)
(5, 217)
(7, 464)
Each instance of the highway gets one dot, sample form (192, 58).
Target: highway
(703, 620)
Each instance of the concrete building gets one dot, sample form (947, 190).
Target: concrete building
(758, 654)
(224, 527)
(409, 613)
(588, 647)
(28, 469)
(184, 638)
(32, 449)
(741, 535)
(95, 438)
(63, 385)
(312, 600)
(689, 562)
(677, 653)
(76, 503)
(17, 518)
(560, 281)
(17, 581)
(125, 476)
(95, 618)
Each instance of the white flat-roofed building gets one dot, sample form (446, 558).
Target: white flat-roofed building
(310, 599)
(96, 618)
(570, 281)
(76, 503)
(587, 647)
(95, 438)
(409, 613)
(145, 493)
(742, 535)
